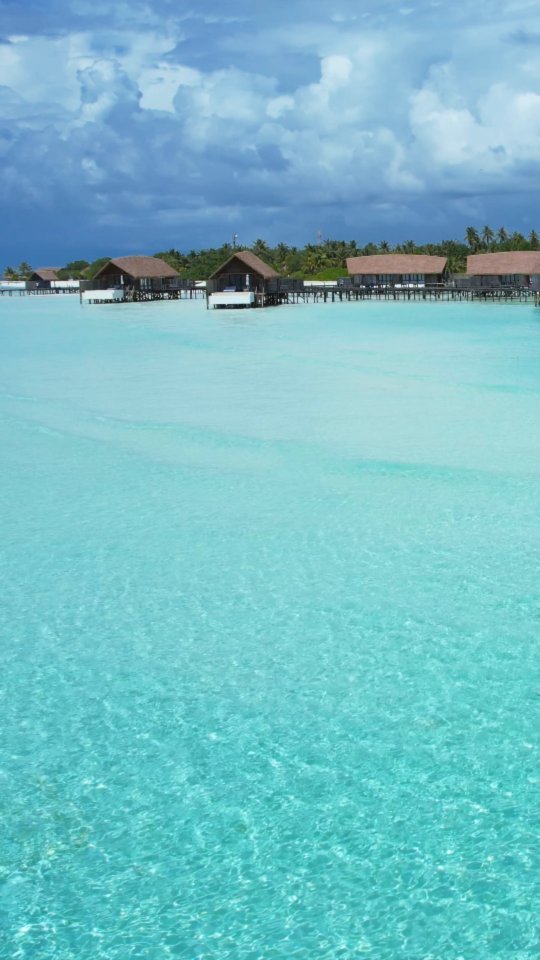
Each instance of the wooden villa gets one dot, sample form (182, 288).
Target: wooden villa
(512, 268)
(44, 277)
(244, 280)
(139, 272)
(46, 280)
(134, 279)
(397, 270)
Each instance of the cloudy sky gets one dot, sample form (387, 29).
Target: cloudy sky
(133, 126)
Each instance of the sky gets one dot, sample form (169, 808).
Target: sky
(133, 127)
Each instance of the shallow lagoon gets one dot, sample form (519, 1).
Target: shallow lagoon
(270, 619)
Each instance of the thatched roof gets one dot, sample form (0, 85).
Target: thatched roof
(395, 263)
(251, 261)
(46, 273)
(140, 268)
(524, 262)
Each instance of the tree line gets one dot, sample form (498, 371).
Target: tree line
(325, 259)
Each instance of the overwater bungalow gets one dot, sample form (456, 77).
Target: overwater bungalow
(140, 272)
(135, 278)
(397, 270)
(44, 277)
(511, 268)
(244, 280)
(45, 280)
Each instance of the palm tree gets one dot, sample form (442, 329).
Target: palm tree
(502, 235)
(488, 237)
(336, 252)
(314, 260)
(518, 241)
(473, 239)
(369, 249)
(261, 248)
(533, 240)
(384, 246)
(281, 253)
(455, 264)
(24, 270)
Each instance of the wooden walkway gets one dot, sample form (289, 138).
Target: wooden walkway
(311, 294)
(36, 293)
(348, 294)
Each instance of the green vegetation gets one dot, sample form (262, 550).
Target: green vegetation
(322, 261)
(94, 268)
(22, 272)
(76, 270)
(331, 273)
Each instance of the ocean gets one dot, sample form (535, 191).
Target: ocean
(270, 683)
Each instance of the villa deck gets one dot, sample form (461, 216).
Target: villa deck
(100, 290)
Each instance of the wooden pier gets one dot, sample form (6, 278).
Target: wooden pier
(32, 290)
(440, 292)
(286, 292)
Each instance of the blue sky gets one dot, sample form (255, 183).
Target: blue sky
(136, 126)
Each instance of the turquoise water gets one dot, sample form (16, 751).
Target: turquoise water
(270, 682)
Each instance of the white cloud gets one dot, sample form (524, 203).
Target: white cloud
(481, 137)
(336, 71)
(159, 85)
(276, 107)
(427, 107)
